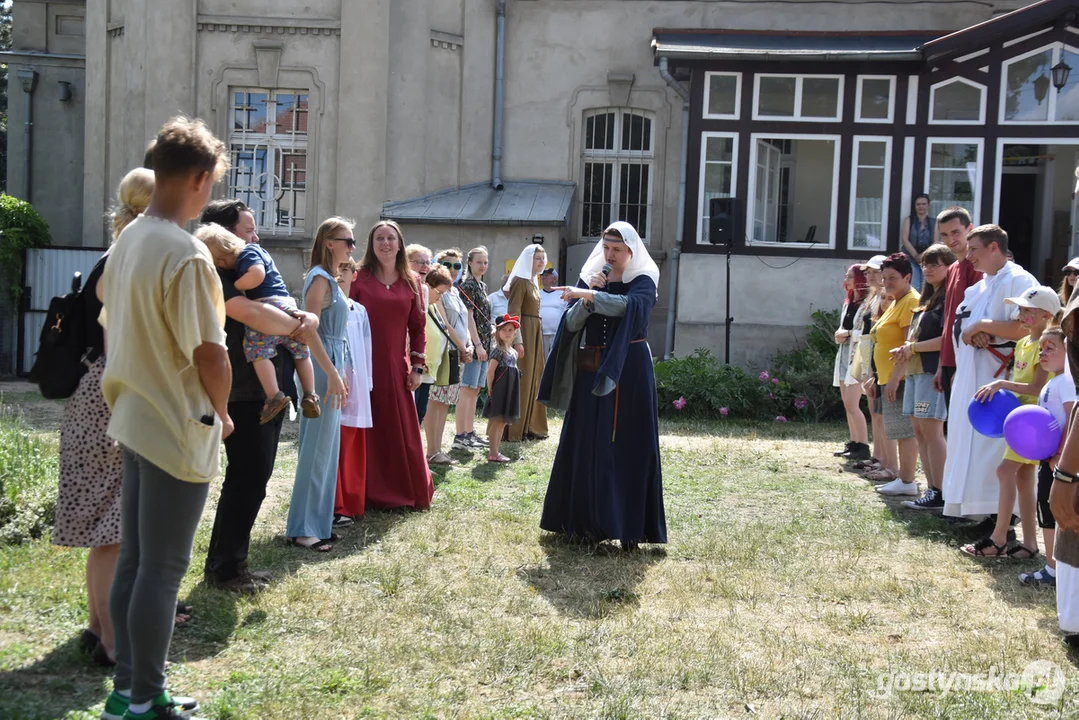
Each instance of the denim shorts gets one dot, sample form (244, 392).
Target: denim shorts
(474, 375)
(920, 399)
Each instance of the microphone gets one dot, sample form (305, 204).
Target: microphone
(607, 269)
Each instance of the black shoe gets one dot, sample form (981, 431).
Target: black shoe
(244, 581)
(846, 450)
(859, 451)
(931, 499)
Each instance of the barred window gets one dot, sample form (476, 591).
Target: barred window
(616, 177)
(268, 147)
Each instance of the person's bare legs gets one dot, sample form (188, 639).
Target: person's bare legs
(908, 459)
(1026, 486)
(305, 369)
(434, 424)
(100, 570)
(494, 434)
(852, 404)
(1007, 475)
(267, 375)
(879, 438)
(936, 450)
(1049, 536)
(465, 414)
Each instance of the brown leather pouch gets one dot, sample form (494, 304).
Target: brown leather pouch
(589, 359)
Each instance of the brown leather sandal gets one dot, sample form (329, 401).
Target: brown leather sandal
(310, 406)
(273, 407)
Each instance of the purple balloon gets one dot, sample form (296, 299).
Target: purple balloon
(1032, 432)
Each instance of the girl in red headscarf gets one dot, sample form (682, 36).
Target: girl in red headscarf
(503, 406)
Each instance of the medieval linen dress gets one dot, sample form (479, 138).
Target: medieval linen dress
(524, 302)
(606, 482)
(970, 483)
(397, 472)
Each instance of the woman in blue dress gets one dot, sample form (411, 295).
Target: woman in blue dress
(310, 513)
(606, 483)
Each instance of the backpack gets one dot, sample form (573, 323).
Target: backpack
(58, 363)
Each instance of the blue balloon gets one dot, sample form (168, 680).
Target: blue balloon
(1032, 432)
(988, 417)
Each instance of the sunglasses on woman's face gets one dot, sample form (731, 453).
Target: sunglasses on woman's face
(453, 265)
(1070, 273)
(348, 241)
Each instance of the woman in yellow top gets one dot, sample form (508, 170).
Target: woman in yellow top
(889, 333)
(1037, 307)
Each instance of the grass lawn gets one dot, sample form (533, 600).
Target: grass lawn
(787, 589)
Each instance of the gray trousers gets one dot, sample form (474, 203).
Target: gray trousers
(158, 518)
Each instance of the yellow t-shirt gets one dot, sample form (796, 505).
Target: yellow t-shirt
(162, 300)
(1026, 366)
(890, 332)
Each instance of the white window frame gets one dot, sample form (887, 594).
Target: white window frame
(798, 82)
(751, 199)
(737, 96)
(980, 142)
(701, 207)
(982, 89)
(887, 189)
(1058, 49)
(891, 99)
(618, 157)
(273, 143)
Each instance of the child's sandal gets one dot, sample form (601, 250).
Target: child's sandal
(273, 407)
(310, 407)
(1022, 552)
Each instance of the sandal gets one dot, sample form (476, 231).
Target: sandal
(317, 546)
(441, 458)
(500, 458)
(870, 464)
(978, 549)
(183, 614)
(880, 475)
(273, 407)
(1014, 553)
(88, 641)
(310, 407)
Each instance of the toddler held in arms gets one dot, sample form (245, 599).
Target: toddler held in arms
(260, 280)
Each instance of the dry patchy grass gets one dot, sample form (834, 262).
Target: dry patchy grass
(787, 588)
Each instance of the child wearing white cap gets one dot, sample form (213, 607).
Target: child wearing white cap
(1037, 307)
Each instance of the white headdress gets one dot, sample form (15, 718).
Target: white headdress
(640, 264)
(523, 267)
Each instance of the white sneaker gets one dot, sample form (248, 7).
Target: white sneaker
(898, 487)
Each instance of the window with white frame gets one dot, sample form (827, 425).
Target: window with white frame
(871, 174)
(1028, 95)
(875, 99)
(719, 166)
(958, 102)
(616, 177)
(797, 97)
(793, 189)
(722, 95)
(953, 174)
(268, 148)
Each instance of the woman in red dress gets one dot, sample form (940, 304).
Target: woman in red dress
(397, 471)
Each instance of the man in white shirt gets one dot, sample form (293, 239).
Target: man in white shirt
(500, 299)
(552, 307)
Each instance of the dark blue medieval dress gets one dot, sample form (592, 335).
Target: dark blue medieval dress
(606, 483)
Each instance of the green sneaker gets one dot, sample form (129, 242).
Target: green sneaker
(165, 707)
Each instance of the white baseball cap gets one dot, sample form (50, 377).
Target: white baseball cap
(1038, 297)
(1073, 264)
(874, 262)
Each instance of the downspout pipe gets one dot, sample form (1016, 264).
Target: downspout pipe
(28, 79)
(676, 252)
(500, 61)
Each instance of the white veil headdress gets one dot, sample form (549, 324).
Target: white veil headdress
(640, 264)
(523, 267)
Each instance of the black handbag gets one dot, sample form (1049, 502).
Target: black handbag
(452, 361)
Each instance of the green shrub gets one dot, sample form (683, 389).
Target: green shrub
(796, 385)
(28, 481)
(21, 227)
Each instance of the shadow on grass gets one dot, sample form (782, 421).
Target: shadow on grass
(588, 580)
(216, 614)
(61, 682)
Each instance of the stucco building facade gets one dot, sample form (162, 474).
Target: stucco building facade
(386, 108)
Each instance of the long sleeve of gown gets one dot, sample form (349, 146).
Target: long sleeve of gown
(417, 331)
(518, 289)
(610, 305)
(576, 317)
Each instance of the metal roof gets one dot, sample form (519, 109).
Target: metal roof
(1037, 15)
(526, 202)
(710, 44)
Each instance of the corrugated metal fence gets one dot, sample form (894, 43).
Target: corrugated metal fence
(48, 273)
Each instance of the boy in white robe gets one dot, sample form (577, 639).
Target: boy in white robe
(984, 333)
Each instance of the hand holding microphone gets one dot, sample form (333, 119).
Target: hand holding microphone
(599, 280)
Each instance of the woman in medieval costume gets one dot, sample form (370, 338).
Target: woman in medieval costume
(523, 290)
(606, 483)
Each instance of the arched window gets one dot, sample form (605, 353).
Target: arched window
(616, 173)
(957, 101)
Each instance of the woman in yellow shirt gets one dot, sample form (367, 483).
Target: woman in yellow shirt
(889, 333)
